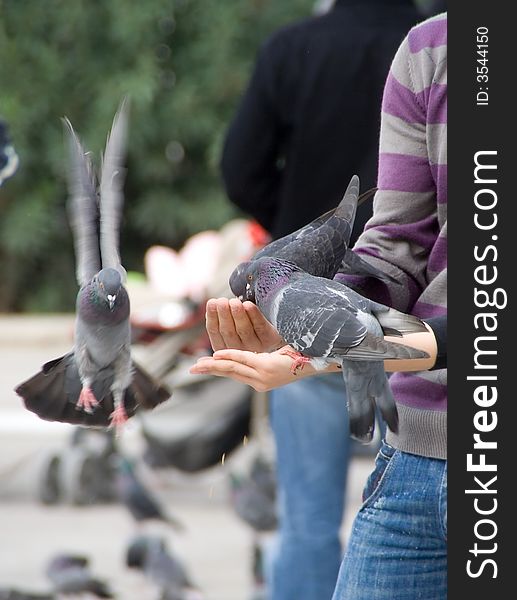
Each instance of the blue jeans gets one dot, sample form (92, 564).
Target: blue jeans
(398, 545)
(310, 425)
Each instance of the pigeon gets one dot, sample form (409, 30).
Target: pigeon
(253, 504)
(253, 494)
(15, 594)
(327, 322)
(97, 383)
(262, 473)
(165, 569)
(136, 551)
(149, 553)
(140, 502)
(320, 247)
(70, 576)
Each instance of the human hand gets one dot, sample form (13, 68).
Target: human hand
(231, 323)
(262, 371)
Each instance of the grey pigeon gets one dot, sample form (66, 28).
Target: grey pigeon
(139, 500)
(97, 383)
(149, 553)
(320, 247)
(253, 494)
(327, 322)
(165, 569)
(253, 504)
(70, 575)
(136, 551)
(16, 594)
(262, 473)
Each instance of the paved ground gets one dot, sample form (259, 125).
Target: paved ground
(216, 545)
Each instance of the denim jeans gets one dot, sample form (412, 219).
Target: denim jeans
(310, 425)
(398, 545)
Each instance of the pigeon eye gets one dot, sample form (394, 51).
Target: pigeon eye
(249, 277)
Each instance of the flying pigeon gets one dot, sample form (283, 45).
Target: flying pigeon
(97, 383)
(140, 501)
(70, 576)
(327, 322)
(320, 247)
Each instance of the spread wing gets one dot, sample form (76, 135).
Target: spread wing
(82, 208)
(111, 189)
(319, 247)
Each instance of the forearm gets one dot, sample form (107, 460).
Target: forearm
(425, 341)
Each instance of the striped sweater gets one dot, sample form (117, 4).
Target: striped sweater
(407, 235)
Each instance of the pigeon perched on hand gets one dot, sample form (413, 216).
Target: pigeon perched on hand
(320, 247)
(70, 576)
(97, 383)
(327, 322)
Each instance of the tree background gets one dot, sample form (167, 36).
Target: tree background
(184, 64)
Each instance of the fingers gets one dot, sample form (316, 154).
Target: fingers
(267, 335)
(261, 371)
(240, 371)
(229, 326)
(212, 326)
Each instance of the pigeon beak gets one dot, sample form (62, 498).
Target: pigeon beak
(111, 301)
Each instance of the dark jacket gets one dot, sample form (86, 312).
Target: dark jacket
(310, 117)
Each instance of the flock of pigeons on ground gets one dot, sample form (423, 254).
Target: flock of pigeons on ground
(70, 575)
(252, 494)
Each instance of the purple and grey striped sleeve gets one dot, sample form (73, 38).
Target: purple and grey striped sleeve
(407, 234)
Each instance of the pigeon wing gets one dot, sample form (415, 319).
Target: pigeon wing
(312, 314)
(111, 190)
(82, 208)
(277, 247)
(319, 248)
(354, 264)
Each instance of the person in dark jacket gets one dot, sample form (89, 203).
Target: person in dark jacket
(310, 116)
(309, 120)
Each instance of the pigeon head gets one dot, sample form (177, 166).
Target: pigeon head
(108, 284)
(264, 275)
(238, 280)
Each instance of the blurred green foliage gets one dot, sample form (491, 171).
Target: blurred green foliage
(184, 64)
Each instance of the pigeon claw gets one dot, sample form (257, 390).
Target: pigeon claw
(118, 417)
(299, 360)
(87, 401)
